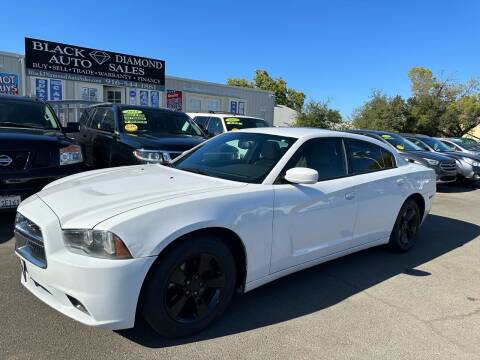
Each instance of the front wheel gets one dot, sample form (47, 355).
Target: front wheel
(406, 226)
(191, 286)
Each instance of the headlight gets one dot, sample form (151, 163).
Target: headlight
(152, 156)
(96, 243)
(70, 155)
(431, 161)
(471, 161)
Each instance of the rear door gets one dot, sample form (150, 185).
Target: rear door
(315, 220)
(380, 189)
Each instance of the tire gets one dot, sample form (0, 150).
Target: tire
(404, 231)
(191, 287)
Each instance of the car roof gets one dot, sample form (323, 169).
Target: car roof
(220, 114)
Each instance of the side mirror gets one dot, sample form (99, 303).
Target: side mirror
(72, 127)
(301, 175)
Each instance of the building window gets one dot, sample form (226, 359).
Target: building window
(89, 94)
(195, 104)
(114, 96)
(237, 107)
(213, 105)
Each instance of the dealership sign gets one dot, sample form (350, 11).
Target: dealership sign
(70, 62)
(8, 84)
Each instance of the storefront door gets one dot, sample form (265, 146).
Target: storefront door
(114, 95)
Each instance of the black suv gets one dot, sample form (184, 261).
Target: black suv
(445, 167)
(116, 135)
(34, 149)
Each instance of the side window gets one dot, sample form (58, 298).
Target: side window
(214, 126)
(366, 157)
(97, 118)
(85, 116)
(325, 155)
(418, 143)
(108, 121)
(201, 121)
(450, 145)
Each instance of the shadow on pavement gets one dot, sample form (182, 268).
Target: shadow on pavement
(6, 226)
(457, 187)
(324, 285)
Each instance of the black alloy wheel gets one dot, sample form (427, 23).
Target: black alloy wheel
(406, 227)
(190, 286)
(194, 288)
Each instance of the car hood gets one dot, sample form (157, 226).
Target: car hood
(163, 142)
(431, 155)
(86, 199)
(460, 155)
(17, 138)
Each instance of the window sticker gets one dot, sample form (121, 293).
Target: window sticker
(132, 116)
(387, 137)
(400, 147)
(233, 121)
(131, 127)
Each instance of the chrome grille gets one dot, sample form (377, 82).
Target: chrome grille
(29, 241)
(448, 165)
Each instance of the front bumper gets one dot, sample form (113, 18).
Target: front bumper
(28, 183)
(468, 171)
(108, 290)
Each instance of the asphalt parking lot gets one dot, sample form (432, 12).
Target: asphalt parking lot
(371, 305)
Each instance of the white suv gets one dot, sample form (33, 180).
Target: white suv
(217, 123)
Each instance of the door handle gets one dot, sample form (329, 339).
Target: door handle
(400, 181)
(350, 195)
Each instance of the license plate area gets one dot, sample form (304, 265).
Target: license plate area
(9, 201)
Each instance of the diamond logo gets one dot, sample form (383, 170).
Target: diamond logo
(99, 56)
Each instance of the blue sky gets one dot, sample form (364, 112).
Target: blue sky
(334, 49)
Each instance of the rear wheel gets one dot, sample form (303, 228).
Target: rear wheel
(406, 226)
(190, 288)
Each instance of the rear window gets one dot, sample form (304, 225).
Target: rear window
(158, 122)
(239, 122)
(28, 114)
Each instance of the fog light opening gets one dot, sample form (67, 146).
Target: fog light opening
(78, 305)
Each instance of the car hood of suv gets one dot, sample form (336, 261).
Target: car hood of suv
(460, 155)
(163, 142)
(86, 199)
(20, 138)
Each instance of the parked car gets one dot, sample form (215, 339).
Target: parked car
(33, 149)
(174, 242)
(217, 123)
(468, 165)
(445, 167)
(463, 147)
(115, 135)
(466, 140)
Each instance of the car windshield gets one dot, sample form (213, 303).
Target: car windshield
(239, 122)
(467, 141)
(465, 145)
(237, 156)
(155, 121)
(435, 144)
(27, 114)
(400, 143)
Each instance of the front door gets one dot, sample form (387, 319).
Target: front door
(316, 220)
(114, 95)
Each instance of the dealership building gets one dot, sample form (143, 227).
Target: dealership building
(72, 77)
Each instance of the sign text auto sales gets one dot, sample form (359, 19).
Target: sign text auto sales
(69, 62)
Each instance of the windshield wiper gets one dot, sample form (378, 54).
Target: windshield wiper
(12, 124)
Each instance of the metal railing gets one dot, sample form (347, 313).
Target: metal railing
(70, 110)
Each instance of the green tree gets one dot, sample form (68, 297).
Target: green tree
(318, 115)
(383, 113)
(283, 95)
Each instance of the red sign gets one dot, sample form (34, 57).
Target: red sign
(174, 100)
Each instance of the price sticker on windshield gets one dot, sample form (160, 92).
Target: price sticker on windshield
(233, 121)
(131, 127)
(132, 116)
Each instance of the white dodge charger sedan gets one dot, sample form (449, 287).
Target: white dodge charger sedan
(173, 243)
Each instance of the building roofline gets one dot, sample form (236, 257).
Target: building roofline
(218, 84)
(6, 53)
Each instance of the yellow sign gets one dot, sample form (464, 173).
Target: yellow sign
(387, 137)
(400, 147)
(131, 127)
(134, 116)
(233, 121)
